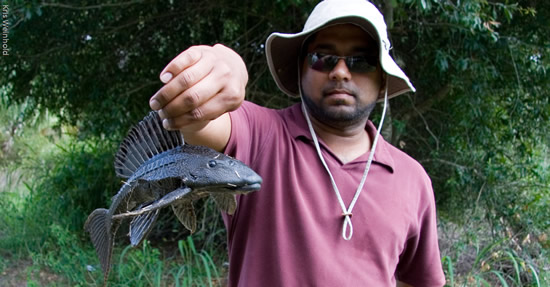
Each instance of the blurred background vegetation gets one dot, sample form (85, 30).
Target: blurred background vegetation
(79, 73)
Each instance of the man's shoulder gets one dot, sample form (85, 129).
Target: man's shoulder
(404, 161)
(253, 109)
(253, 112)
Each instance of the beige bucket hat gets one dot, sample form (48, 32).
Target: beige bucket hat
(283, 50)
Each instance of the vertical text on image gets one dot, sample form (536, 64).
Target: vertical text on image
(5, 30)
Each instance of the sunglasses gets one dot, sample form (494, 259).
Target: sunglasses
(356, 64)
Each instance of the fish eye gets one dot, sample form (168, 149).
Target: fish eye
(212, 163)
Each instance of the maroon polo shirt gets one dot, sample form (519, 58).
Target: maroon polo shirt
(289, 233)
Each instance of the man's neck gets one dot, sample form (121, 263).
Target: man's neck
(347, 143)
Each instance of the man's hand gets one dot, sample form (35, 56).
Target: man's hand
(201, 84)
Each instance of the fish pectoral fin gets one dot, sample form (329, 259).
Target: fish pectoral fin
(225, 202)
(166, 200)
(141, 225)
(101, 239)
(185, 212)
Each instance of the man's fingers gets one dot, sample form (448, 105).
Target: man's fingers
(185, 80)
(210, 110)
(191, 99)
(183, 69)
(181, 62)
(182, 99)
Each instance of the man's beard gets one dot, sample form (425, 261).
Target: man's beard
(339, 119)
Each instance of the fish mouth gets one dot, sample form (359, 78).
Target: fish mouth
(231, 188)
(249, 187)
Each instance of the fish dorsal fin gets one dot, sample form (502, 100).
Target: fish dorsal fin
(144, 140)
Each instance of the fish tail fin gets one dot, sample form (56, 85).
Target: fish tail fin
(144, 140)
(97, 227)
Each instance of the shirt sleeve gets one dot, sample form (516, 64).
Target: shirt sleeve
(420, 261)
(251, 128)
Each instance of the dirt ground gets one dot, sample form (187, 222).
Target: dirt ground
(19, 273)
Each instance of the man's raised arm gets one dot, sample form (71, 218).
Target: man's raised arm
(202, 84)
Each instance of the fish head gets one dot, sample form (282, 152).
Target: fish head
(218, 172)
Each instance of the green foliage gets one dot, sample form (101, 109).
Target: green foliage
(479, 121)
(31, 225)
(63, 254)
(74, 181)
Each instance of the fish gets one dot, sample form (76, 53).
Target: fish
(159, 170)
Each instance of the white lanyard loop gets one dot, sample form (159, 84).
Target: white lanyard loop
(347, 227)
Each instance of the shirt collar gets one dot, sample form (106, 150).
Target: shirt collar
(297, 126)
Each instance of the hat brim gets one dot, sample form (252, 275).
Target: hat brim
(283, 56)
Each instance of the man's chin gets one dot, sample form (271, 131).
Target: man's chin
(339, 113)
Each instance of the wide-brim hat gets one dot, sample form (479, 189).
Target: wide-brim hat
(283, 50)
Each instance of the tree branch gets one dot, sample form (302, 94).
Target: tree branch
(99, 6)
(426, 105)
(143, 86)
(455, 165)
(425, 123)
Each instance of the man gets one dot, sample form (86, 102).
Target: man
(339, 206)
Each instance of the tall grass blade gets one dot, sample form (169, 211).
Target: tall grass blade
(179, 274)
(206, 269)
(535, 275)
(484, 251)
(450, 270)
(158, 273)
(500, 277)
(480, 280)
(212, 264)
(122, 255)
(191, 245)
(516, 267)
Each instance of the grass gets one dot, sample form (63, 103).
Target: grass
(71, 261)
(472, 256)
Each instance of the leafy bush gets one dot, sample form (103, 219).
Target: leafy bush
(73, 182)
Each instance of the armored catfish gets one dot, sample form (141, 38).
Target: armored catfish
(161, 170)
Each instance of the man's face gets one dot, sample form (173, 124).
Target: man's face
(338, 96)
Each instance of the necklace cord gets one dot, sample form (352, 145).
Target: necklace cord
(347, 227)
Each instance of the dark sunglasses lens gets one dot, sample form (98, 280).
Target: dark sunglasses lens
(361, 64)
(356, 64)
(322, 63)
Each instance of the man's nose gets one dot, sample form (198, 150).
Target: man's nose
(340, 72)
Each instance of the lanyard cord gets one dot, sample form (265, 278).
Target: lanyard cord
(347, 212)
